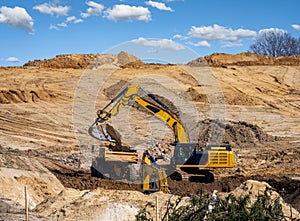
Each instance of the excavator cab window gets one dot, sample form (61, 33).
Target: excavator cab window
(183, 152)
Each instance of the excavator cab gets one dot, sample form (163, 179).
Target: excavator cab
(183, 153)
(193, 162)
(194, 156)
(189, 155)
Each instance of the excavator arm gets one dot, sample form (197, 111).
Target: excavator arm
(126, 97)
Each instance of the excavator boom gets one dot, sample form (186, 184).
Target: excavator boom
(126, 97)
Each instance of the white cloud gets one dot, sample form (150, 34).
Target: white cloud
(12, 59)
(278, 30)
(63, 24)
(200, 44)
(53, 9)
(16, 17)
(70, 18)
(217, 32)
(95, 9)
(74, 20)
(297, 27)
(159, 5)
(128, 13)
(161, 43)
(180, 37)
(54, 27)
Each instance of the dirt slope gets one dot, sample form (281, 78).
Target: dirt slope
(79, 61)
(249, 59)
(19, 170)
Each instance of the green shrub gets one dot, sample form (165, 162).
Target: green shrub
(230, 208)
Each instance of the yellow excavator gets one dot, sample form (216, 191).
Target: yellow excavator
(189, 160)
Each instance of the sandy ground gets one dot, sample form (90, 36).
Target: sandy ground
(48, 110)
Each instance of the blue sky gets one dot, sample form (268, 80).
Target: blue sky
(184, 29)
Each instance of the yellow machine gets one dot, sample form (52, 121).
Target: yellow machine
(154, 177)
(189, 159)
(118, 165)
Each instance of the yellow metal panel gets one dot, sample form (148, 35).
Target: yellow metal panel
(163, 181)
(146, 183)
(220, 159)
(131, 157)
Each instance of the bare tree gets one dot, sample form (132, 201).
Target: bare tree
(276, 43)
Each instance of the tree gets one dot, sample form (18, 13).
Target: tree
(275, 42)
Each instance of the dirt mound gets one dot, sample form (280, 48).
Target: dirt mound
(237, 133)
(255, 188)
(198, 62)
(64, 61)
(248, 59)
(124, 58)
(78, 61)
(134, 64)
(243, 132)
(82, 180)
(112, 91)
(19, 171)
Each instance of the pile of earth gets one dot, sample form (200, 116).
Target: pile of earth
(244, 59)
(78, 61)
(254, 188)
(234, 133)
(239, 134)
(112, 91)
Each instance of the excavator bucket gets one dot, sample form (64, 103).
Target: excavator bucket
(100, 132)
